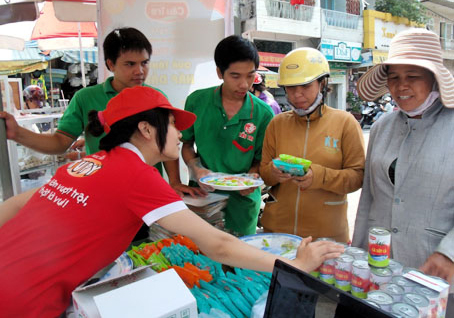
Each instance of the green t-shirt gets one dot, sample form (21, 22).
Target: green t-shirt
(225, 145)
(75, 118)
(230, 146)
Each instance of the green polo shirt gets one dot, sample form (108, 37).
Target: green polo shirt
(230, 146)
(75, 119)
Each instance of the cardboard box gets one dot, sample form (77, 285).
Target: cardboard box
(83, 302)
(163, 295)
(435, 283)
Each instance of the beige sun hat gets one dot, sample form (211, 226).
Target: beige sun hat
(415, 46)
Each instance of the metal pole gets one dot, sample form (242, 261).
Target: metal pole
(6, 180)
(51, 86)
(82, 65)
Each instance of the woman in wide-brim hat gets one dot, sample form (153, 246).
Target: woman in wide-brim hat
(55, 238)
(409, 176)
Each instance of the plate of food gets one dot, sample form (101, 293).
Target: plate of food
(231, 182)
(281, 244)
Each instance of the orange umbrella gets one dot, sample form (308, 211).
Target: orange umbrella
(52, 33)
(49, 27)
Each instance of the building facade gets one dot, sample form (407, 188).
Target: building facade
(350, 33)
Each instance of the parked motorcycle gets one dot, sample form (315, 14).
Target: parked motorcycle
(369, 112)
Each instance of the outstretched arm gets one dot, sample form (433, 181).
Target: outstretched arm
(227, 249)
(55, 143)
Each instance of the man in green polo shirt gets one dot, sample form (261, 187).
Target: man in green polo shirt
(127, 54)
(229, 129)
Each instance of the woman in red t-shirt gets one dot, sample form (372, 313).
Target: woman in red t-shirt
(54, 238)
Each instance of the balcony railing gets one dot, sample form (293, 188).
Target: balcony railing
(447, 44)
(283, 9)
(341, 19)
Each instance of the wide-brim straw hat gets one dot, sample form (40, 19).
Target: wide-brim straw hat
(415, 46)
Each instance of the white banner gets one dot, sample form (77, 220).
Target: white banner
(183, 35)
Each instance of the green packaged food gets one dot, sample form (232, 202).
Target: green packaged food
(292, 165)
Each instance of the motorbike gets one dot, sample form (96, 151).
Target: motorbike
(369, 112)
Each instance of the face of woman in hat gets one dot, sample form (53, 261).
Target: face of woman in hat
(409, 85)
(303, 96)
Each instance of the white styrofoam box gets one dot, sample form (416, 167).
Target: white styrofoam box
(163, 295)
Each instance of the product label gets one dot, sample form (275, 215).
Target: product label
(360, 283)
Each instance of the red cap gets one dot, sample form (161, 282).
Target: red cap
(137, 99)
(258, 78)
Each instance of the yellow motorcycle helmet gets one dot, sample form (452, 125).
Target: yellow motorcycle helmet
(302, 66)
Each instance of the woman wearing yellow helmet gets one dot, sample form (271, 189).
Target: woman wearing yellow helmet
(314, 204)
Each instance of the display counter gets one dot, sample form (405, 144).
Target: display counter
(29, 168)
(222, 291)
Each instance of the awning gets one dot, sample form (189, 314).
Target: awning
(30, 53)
(25, 61)
(90, 55)
(14, 67)
(271, 59)
(32, 58)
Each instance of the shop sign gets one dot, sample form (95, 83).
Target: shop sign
(342, 51)
(271, 80)
(337, 76)
(379, 57)
(271, 59)
(384, 33)
(366, 59)
(338, 65)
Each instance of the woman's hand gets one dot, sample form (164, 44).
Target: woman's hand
(311, 255)
(305, 181)
(278, 175)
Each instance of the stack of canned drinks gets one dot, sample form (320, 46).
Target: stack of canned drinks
(379, 280)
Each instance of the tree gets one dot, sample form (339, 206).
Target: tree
(413, 10)
(353, 103)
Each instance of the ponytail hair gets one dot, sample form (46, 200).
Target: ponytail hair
(94, 126)
(122, 131)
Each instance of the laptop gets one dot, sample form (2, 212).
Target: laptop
(294, 293)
